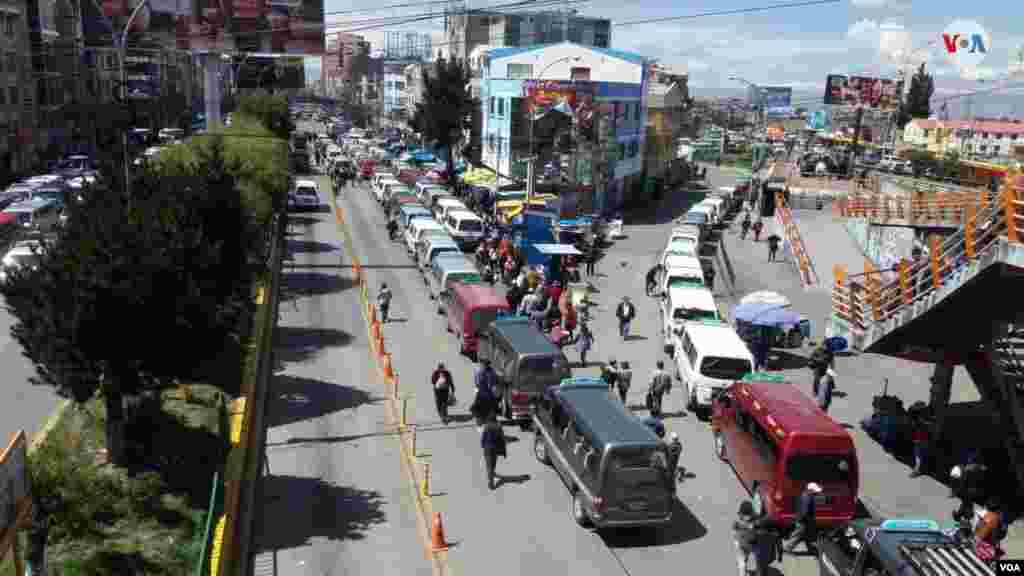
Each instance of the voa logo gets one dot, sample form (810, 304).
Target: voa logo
(966, 44)
(1009, 567)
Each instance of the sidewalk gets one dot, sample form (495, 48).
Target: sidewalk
(334, 496)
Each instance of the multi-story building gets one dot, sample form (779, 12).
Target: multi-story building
(969, 138)
(16, 119)
(414, 86)
(667, 96)
(395, 98)
(592, 107)
(468, 30)
(345, 63)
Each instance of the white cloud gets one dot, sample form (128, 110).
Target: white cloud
(868, 3)
(864, 29)
(694, 65)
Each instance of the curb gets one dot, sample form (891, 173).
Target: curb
(439, 560)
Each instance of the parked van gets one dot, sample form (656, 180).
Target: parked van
(36, 215)
(685, 233)
(525, 360)
(446, 269)
(394, 188)
(471, 309)
(419, 230)
(406, 215)
(378, 191)
(443, 207)
(715, 209)
(709, 356)
(680, 248)
(685, 302)
(614, 466)
(465, 227)
(424, 189)
(707, 210)
(380, 175)
(685, 269)
(777, 440)
(436, 197)
(434, 246)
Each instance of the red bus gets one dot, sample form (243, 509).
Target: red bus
(471, 308)
(777, 441)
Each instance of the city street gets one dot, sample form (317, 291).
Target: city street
(335, 498)
(23, 406)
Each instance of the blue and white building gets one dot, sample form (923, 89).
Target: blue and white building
(607, 90)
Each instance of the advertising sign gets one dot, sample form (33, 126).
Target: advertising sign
(267, 71)
(572, 98)
(143, 71)
(777, 100)
(879, 93)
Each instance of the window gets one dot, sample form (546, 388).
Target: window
(12, 91)
(520, 71)
(821, 468)
(926, 132)
(492, 107)
(600, 40)
(579, 74)
(10, 24)
(12, 62)
(501, 107)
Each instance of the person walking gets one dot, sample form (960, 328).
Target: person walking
(825, 388)
(745, 226)
(651, 282)
(806, 520)
(820, 361)
(484, 406)
(744, 536)
(758, 226)
(591, 259)
(675, 451)
(610, 374)
(773, 247)
(444, 390)
(660, 384)
(625, 312)
(709, 275)
(584, 342)
(919, 435)
(384, 302)
(624, 380)
(492, 440)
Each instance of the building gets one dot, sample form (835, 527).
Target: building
(395, 99)
(468, 30)
(969, 138)
(414, 85)
(407, 46)
(17, 119)
(667, 97)
(589, 122)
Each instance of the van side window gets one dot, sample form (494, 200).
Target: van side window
(764, 442)
(557, 416)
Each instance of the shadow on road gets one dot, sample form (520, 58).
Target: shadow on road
(673, 204)
(295, 510)
(310, 247)
(298, 344)
(300, 221)
(298, 284)
(684, 527)
(293, 399)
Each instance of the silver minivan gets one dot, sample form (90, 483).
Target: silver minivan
(446, 269)
(432, 247)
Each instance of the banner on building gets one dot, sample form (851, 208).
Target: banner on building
(776, 100)
(865, 91)
(143, 72)
(575, 99)
(272, 72)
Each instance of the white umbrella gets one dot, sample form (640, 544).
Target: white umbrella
(765, 297)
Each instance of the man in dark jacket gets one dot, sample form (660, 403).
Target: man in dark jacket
(492, 440)
(625, 312)
(444, 386)
(806, 524)
(821, 360)
(486, 381)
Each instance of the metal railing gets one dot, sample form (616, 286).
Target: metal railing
(918, 207)
(873, 300)
(802, 262)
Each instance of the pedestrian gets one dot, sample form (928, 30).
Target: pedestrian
(773, 247)
(675, 451)
(591, 258)
(492, 440)
(745, 226)
(584, 342)
(919, 435)
(624, 380)
(484, 406)
(709, 275)
(384, 302)
(625, 312)
(821, 360)
(758, 226)
(661, 383)
(392, 229)
(444, 390)
(610, 374)
(763, 348)
(806, 521)
(744, 536)
(652, 279)
(825, 388)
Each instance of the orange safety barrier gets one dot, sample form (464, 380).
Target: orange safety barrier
(905, 287)
(375, 330)
(1010, 211)
(874, 289)
(380, 344)
(371, 313)
(386, 362)
(969, 231)
(935, 248)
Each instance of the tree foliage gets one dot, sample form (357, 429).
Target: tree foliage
(270, 110)
(447, 105)
(136, 292)
(917, 101)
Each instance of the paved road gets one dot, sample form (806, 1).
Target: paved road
(335, 500)
(23, 406)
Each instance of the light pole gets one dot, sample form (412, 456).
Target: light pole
(121, 44)
(760, 100)
(531, 172)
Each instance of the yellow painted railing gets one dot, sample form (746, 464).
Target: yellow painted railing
(871, 298)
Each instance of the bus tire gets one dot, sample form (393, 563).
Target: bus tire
(719, 446)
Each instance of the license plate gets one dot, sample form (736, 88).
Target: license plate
(636, 506)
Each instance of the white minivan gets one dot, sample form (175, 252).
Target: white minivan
(465, 227)
(682, 303)
(679, 268)
(709, 356)
(708, 208)
(419, 229)
(382, 184)
(445, 205)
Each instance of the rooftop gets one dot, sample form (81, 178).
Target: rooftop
(999, 127)
(507, 52)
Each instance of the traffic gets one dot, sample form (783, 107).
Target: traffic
(514, 286)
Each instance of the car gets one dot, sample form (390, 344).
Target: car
(23, 253)
(305, 196)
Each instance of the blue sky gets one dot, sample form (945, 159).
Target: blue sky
(797, 47)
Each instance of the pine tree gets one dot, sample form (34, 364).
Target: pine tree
(447, 106)
(917, 101)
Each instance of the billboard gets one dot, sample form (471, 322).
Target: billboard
(572, 98)
(143, 72)
(271, 26)
(879, 93)
(272, 72)
(777, 100)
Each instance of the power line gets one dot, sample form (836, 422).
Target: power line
(734, 11)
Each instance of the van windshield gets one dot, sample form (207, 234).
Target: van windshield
(694, 314)
(725, 368)
(684, 281)
(442, 250)
(482, 318)
(537, 373)
(695, 218)
(636, 471)
(464, 277)
(820, 468)
(470, 226)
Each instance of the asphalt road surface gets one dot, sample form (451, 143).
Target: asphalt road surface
(23, 406)
(335, 499)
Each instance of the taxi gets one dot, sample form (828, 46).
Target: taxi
(904, 547)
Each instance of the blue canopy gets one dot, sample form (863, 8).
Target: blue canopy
(423, 157)
(761, 314)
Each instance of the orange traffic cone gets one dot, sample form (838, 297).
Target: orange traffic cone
(388, 372)
(371, 313)
(437, 540)
(375, 330)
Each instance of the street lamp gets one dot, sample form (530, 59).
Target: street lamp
(760, 99)
(122, 47)
(531, 173)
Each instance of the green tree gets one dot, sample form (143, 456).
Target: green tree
(917, 101)
(136, 292)
(447, 106)
(271, 111)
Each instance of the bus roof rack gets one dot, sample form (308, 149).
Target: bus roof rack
(934, 559)
(764, 377)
